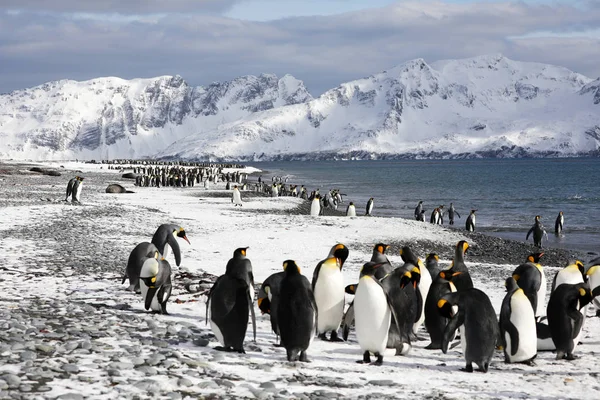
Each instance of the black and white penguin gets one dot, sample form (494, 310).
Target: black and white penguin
(593, 279)
(462, 280)
(373, 314)
(315, 206)
(401, 287)
(230, 301)
(517, 325)
(558, 224)
(412, 261)
(478, 324)
(538, 232)
(470, 223)
(436, 216)
(451, 212)
(136, 260)
(76, 192)
(296, 313)
(165, 240)
(421, 217)
(268, 298)
(70, 187)
(351, 210)
(435, 323)
(419, 210)
(369, 209)
(236, 196)
(328, 289)
(155, 283)
(573, 273)
(432, 265)
(378, 256)
(531, 278)
(564, 317)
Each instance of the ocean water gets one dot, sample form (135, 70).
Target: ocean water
(508, 193)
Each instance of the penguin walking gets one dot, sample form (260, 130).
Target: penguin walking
(451, 212)
(517, 325)
(268, 298)
(564, 317)
(297, 312)
(70, 187)
(369, 209)
(538, 232)
(531, 278)
(435, 323)
(558, 224)
(470, 223)
(76, 192)
(477, 320)
(373, 314)
(328, 289)
(236, 197)
(419, 210)
(230, 300)
(351, 210)
(155, 283)
(315, 206)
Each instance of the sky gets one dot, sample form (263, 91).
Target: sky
(322, 42)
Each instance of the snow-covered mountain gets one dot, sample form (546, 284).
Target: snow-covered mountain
(112, 117)
(482, 106)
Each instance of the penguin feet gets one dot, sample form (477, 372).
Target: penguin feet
(303, 357)
(323, 336)
(467, 368)
(366, 358)
(379, 360)
(334, 337)
(433, 346)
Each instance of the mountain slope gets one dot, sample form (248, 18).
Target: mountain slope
(488, 105)
(112, 117)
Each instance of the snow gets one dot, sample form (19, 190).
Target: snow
(215, 228)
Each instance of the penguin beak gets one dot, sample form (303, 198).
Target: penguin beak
(186, 239)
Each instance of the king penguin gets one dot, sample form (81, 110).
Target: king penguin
(517, 325)
(412, 261)
(351, 210)
(155, 283)
(230, 300)
(167, 234)
(268, 298)
(435, 323)
(328, 288)
(419, 210)
(451, 212)
(76, 193)
(479, 326)
(531, 278)
(538, 232)
(573, 273)
(564, 317)
(236, 197)
(470, 223)
(432, 265)
(373, 315)
(369, 209)
(70, 187)
(315, 206)
(462, 280)
(593, 279)
(558, 224)
(297, 312)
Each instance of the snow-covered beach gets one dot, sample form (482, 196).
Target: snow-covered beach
(69, 329)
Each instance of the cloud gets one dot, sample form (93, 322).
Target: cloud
(323, 51)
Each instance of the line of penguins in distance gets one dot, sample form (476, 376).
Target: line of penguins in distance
(389, 305)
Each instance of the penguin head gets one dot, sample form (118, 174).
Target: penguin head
(585, 295)
(445, 308)
(537, 218)
(181, 233)
(473, 211)
(535, 257)
(432, 257)
(511, 284)
(449, 274)
(240, 252)
(340, 252)
(462, 247)
(405, 279)
(381, 247)
(369, 268)
(408, 256)
(290, 267)
(560, 213)
(580, 267)
(350, 289)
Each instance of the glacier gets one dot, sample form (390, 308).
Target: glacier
(486, 106)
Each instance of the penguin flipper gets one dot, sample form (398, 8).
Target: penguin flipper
(577, 318)
(453, 324)
(419, 305)
(253, 315)
(514, 337)
(149, 296)
(172, 241)
(456, 212)
(316, 275)
(349, 319)
(530, 232)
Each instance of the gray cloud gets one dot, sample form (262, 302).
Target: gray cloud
(322, 51)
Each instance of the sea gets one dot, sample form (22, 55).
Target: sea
(507, 193)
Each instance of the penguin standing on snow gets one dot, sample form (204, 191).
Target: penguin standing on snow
(412, 261)
(558, 224)
(351, 210)
(451, 212)
(478, 324)
(538, 232)
(462, 280)
(593, 279)
(268, 298)
(236, 197)
(517, 325)
(76, 193)
(230, 300)
(470, 223)
(369, 210)
(297, 312)
(373, 315)
(531, 278)
(436, 216)
(315, 206)
(155, 283)
(70, 187)
(564, 318)
(435, 323)
(328, 289)
(432, 265)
